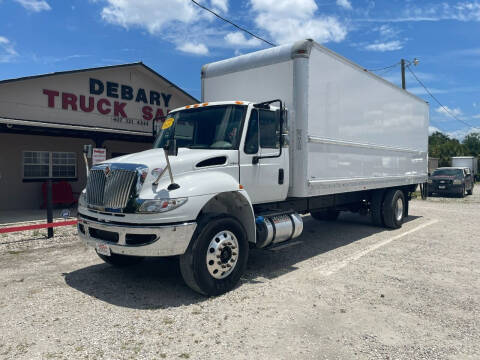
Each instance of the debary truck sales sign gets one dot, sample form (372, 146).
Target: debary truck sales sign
(124, 98)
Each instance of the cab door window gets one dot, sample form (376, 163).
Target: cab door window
(269, 130)
(251, 140)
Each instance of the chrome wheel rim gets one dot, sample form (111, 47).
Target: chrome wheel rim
(399, 209)
(222, 254)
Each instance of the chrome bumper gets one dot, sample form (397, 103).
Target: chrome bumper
(170, 239)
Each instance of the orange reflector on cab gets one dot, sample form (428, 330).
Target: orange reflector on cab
(196, 105)
(240, 186)
(187, 107)
(204, 104)
(239, 102)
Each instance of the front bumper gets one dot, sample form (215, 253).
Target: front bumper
(165, 240)
(448, 188)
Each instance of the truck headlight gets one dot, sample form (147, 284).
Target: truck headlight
(161, 205)
(82, 199)
(457, 182)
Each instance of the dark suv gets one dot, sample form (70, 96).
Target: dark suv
(451, 180)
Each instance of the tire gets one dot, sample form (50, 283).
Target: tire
(462, 194)
(325, 215)
(213, 240)
(470, 192)
(376, 207)
(393, 215)
(120, 260)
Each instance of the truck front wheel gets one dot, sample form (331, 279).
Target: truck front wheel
(216, 257)
(394, 208)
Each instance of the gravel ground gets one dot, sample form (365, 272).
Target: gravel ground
(345, 290)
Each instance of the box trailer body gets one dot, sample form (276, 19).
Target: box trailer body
(349, 129)
(236, 171)
(466, 161)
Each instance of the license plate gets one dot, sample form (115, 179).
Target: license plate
(441, 186)
(103, 249)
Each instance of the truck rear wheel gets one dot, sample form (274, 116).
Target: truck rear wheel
(216, 257)
(325, 215)
(394, 207)
(120, 260)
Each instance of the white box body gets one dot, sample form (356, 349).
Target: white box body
(466, 161)
(349, 129)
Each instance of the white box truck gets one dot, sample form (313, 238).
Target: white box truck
(282, 132)
(470, 162)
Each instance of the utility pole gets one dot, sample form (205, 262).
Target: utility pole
(402, 62)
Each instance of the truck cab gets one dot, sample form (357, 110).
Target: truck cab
(210, 164)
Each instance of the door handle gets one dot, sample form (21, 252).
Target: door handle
(280, 176)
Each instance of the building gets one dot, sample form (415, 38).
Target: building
(45, 120)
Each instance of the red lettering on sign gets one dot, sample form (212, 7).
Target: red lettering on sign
(147, 112)
(51, 96)
(91, 103)
(100, 106)
(119, 109)
(69, 99)
(159, 115)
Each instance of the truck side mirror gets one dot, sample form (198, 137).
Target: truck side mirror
(171, 147)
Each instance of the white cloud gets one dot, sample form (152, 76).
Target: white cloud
(387, 32)
(461, 133)
(344, 4)
(148, 14)
(220, 5)
(289, 20)
(7, 51)
(239, 40)
(192, 48)
(385, 46)
(180, 22)
(438, 11)
(432, 129)
(34, 5)
(447, 111)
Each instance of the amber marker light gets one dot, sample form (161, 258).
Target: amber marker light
(196, 105)
(240, 186)
(204, 104)
(239, 102)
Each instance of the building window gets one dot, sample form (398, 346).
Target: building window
(44, 164)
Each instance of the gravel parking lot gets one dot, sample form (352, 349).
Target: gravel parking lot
(345, 290)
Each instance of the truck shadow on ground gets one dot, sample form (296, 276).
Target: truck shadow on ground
(157, 283)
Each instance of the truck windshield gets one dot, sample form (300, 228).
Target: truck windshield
(448, 172)
(209, 127)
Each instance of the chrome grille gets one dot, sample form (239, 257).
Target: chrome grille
(110, 188)
(95, 187)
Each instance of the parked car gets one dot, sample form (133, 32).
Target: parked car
(451, 181)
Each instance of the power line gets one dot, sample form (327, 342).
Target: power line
(438, 102)
(232, 23)
(385, 68)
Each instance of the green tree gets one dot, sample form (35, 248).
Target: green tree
(443, 147)
(472, 144)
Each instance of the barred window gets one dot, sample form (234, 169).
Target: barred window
(44, 164)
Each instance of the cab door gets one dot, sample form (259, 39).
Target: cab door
(263, 167)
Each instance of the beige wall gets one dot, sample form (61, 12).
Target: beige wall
(16, 194)
(25, 99)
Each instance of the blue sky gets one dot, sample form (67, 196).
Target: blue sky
(176, 38)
